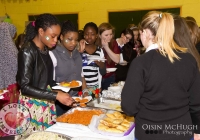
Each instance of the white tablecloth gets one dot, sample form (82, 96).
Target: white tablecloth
(84, 133)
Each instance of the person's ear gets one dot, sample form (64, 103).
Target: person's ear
(97, 35)
(144, 32)
(61, 37)
(41, 31)
(100, 36)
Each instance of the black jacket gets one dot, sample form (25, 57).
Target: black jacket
(32, 75)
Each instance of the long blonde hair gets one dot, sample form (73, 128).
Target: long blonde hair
(162, 27)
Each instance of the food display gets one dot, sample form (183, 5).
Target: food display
(82, 101)
(73, 83)
(111, 94)
(46, 136)
(114, 91)
(115, 122)
(66, 86)
(79, 116)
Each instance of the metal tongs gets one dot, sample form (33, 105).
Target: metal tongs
(77, 103)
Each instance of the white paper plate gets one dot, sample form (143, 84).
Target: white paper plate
(111, 69)
(96, 58)
(87, 97)
(65, 89)
(80, 84)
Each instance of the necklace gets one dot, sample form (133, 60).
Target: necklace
(44, 52)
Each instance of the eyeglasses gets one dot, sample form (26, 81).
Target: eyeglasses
(127, 38)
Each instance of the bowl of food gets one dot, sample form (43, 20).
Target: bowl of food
(45, 135)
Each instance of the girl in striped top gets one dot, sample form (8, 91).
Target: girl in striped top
(92, 69)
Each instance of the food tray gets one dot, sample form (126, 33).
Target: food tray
(84, 109)
(42, 133)
(106, 104)
(96, 120)
(112, 94)
(78, 125)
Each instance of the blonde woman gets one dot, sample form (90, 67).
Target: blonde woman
(162, 87)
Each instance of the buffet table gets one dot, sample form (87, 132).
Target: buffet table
(80, 133)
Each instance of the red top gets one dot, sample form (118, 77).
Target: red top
(116, 50)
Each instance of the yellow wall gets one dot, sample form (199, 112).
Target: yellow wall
(90, 10)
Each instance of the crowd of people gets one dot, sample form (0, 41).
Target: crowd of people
(158, 60)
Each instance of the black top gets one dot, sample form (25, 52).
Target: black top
(47, 60)
(128, 55)
(158, 92)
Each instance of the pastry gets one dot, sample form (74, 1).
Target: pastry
(113, 130)
(120, 117)
(122, 128)
(102, 126)
(117, 114)
(126, 123)
(108, 119)
(109, 124)
(112, 116)
(117, 121)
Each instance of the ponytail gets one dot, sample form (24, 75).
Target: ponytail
(30, 31)
(164, 37)
(162, 27)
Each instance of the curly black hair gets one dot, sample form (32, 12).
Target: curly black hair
(92, 25)
(68, 26)
(43, 21)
